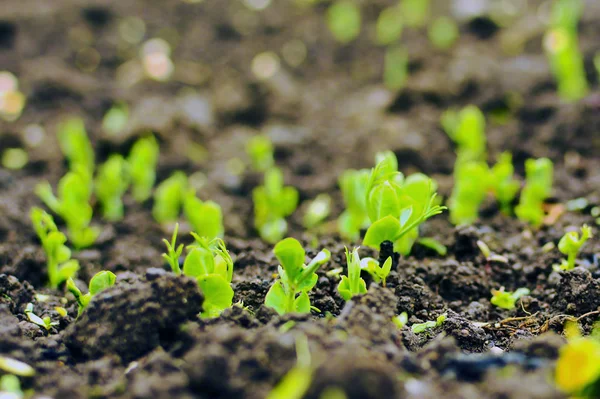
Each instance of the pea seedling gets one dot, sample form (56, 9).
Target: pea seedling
(504, 186)
(353, 184)
(570, 244)
(470, 188)
(389, 25)
(260, 150)
(173, 251)
(142, 161)
(115, 119)
(422, 327)
(317, 211)
(101, 281)
(378, 273)
(507, 299)
(352, 284)
(344, 20)
(111, 183)
(75, 145)
(537, 188)
(44, 322)
(295, 383)
(401, 320)
(272, 203)
(205, 217)
(289, 293)
(169, 197)
(59, 263)
(467, 129)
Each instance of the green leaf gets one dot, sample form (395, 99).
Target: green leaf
(389, 25)
(344, 20)
(276, 298)
(142, 162)
(169, 197)
(345, 289)
(405, 215)
(67, 270)
(199, 262)
(205, 217)
(218, 294)
(302, 303)
(101, 281)
(382, 230)
(291, 255)
(260, 150)
(383, 201)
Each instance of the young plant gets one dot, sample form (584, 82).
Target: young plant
(296, 382)
(443, 33)
(471, 181)
(377, 272)
(142, 161)
(173, 251)
(395, 70)
(537, 188)
(211, 265)
(401, 320)
(115, 119)
(59, 263)
(352, 284)
(76, 145)
(467, 129)
(111, 183)
(353, 184)
(344, 20)
(205, 217)
(73, 205)
(101, 281)
(422, 327)
(169, 197)
(506, 299)
(44, 322)
(260, 150)
(317, 211)
(504, 186)
(415, 12)
(290, 292)
(570, 244)
(272, 203)
(389, 25)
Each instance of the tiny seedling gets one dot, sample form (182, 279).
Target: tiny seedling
(389, 25)
(570, 244)
(352, 284)
(142, 161)
(467, 129)
(169, 197)
(260, 151)
(344, 20)
(537, 188)
(15, 367)
(504, 186)
(317, 211)
(59, 263)
(377, 272)
(205, 217)
(101, 281)
(507, 299)
(443, 33)
(353, 184)
(272, 203)
(115, 119)
(72, 204)
(173, 251)
(296, 382)
(422, 327)
(44, 322)
(76, 145)
(415, 12)
(395, 69)
(111, 183)
(289, 293)
(209, 262)
(470, 188)
(401, 320)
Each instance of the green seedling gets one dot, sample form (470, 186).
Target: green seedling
(395, 70)
(353, 184)
(389, 25)
(101, 281)
(537, 188)
(173, 251)
(471, 182)
(209, 262)
(506, 299)
(296, 382)
(72, 204)
(115, 119)
(111, 183)
(570, 244)
(14, 158)
(422, 327)
(561, 45)
(397, 206)
(378, 272)
(76, 145)
(415, 12)
(504, 186)
(317, 211)
(434, 245)
(44, 322)
(169, 198)
(59, 263)
(10, 387)
(142, 162)
(401, 320)
(260, 151)
(352, 284)
(443, 33)
(272, 203)
(289, 293)
(467, 129)
(205, 217)
(343, 20)
(16, 367)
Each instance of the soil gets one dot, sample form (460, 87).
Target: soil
(142, 338)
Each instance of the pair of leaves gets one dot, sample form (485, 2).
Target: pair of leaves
(352, 284)
(506, 299)
(205, 217)
(570, 244)
(101, 281)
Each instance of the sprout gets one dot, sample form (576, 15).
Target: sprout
(45, 322)
(504, 186)
(289, 293)
(211, 265)
(59, 263)
(537, 188)
(260, 150)
(16, 367)
(205, 217)
(76, 146)
(142, 162)
(395, 70)
(570, 244)
(72, 205)
(470, 188)
(352, 284)
(14, 158)
(353, 184)
(443, 33)
(389, 25)
(272, 203)
(506, 299)
(343, 19)
(400, 320)
(115, 119)
(111, 183)
(377, 272)
(317, 211)
(295, 383)
(101, 281)
(422, 327)
(169, 197)
(173, 251)
(467, 129)
(415, 12)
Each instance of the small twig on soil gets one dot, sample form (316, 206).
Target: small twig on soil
(509, 320)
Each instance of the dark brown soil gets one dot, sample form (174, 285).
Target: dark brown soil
(143, 339)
